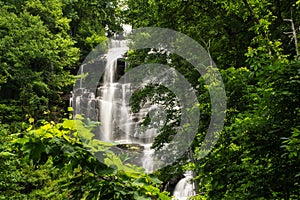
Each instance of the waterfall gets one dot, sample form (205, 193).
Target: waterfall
(147, 158)
(185, 187)
(125, 123)
(106, 102)
(117, 124)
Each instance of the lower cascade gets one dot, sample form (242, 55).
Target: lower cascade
(185, 187)
(147, 158)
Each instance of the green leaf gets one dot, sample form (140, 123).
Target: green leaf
(6, 154)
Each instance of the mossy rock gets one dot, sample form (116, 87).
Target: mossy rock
(131, 147)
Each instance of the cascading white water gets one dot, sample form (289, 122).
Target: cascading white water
(147, 158)
(125, 122)
(106, 101)
(117, 124)
(185, 187)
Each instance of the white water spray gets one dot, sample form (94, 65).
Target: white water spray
(185, 187)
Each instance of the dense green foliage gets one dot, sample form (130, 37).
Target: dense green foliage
(41, 43)
(45, 156)
(49, 163)
(257, 156)
(36, 53)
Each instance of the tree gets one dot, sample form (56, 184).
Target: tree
(36, 54)
(246, 39)
(91, 22)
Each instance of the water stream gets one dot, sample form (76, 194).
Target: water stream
(185, 187)
(111, 107)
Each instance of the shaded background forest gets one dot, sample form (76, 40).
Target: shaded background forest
(43, 43)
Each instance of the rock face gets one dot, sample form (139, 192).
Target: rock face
(171, 184)
(120, 71)
(133, 151)
(131, 147)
